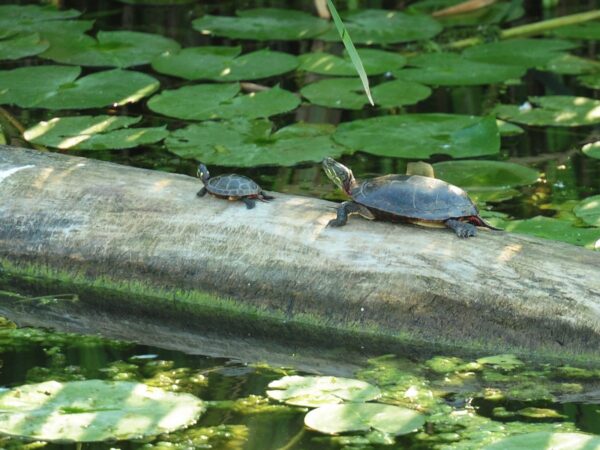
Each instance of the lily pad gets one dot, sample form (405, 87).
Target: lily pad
(591, 81)
(224, 64)
(567, 64)
(586, 30)
(505, 362)
(334, 419)
(509, 129)
(93, 133)
(592, 149)
(449, 69)
(481, 173)
(557, 230)
(375, 62)
(22, 45)
(519, 52)
(263, 24)
(210, 101)
(418, 136)
(379, 26)
(497, 12)
(547, 441)
(555, 110)
(94, 410)
(111, 49)
(30, 15)
(244, 143)
(318, 391)
(57, 87)
(588, 210)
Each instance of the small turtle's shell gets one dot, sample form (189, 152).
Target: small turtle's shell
(232, 185)
(415, 197)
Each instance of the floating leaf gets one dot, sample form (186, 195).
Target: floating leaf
(449, 69)
(591, 81)
(263, 24)
(22, 45)
(57, 87)
(375, 62)
(318, 391)
(481, 173)
(209, 101)
(12, 16)
(346, 93)
(224, 64)
(547, 441)
(394, 420)
(567, 64)
(540, 413)
(418, 136)
(506, 362)
(93, 411)
(508, 129)
(588, 210)
(378, 26)
(243, 143)
(93, 133)
(495, 13)
(586, 30)
(519, 52)
(557, 230)
(556, 110)
(112, 49)
(157, 2)
(592, 149)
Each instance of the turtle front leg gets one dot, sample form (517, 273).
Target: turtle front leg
(202, 192)
(250, 202)
(342, 214)
(462, 229)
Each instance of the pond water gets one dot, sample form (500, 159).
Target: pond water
(469, 403)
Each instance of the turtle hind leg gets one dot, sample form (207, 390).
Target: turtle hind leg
(462, 229)
(342, 214)
(250, 202)
(202, 192)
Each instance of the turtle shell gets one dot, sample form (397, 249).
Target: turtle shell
(415, 197)
(232, 185)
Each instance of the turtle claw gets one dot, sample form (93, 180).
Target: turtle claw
(462, 229)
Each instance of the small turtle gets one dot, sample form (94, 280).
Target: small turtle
(407, 198)
(231, 187)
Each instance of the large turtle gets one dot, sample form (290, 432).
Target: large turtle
(231, 187)
(408, 198)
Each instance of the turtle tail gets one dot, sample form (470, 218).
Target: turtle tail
(478, 221)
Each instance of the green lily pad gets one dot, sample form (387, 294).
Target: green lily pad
(375, 62)
(496, 13)
(22, 45)
(210, 101)
(586, 30)
(506, 362)
(540, 413)
(334, 419)
(263, 24)
(449, 69)
(555, 110)
(588, 210)
(111, 49)
(481, 173)
(31, 15)
(348, 93)
(567, 64)
(557, 230)
(418, 136)
(519, 52)
(509, 129)
(224, 64)
(318, 391)
(93, 133)
(379, 26)
(57, 87)
(94, 410)
(591, 81)
(157, 2)
(244, 143)
(592, 149)
(547, 441)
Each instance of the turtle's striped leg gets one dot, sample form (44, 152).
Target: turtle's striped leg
(201, 192)
(250, 202)
(342, 213)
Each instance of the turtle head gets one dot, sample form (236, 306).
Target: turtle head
(203, 173)
(339, 174)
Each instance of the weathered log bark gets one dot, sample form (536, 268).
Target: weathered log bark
(146, 243)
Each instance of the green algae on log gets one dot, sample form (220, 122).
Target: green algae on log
(146, 236)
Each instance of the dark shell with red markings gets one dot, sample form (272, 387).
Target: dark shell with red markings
(415, 197)
(232, 185)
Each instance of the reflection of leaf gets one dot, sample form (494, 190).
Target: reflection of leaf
(213, 63)
(588, 210)
(557, 230)
(592, 80)
(379, 26)
(556, 110)
(263, 24)
(546, 441)
(394, 420)
(22, 45)
(480, 173)
(94, 410)
(210, 101)
(419, 136)
(592, 149)
(93, 133)
(244, 143)
(375, 62)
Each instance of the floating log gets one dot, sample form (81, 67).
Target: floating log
(140, 243)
